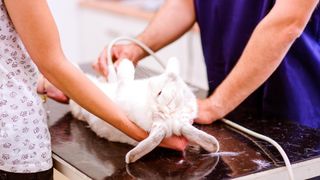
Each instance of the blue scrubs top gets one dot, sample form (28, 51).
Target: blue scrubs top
(293, 90)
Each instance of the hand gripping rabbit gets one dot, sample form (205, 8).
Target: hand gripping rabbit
(162, 105)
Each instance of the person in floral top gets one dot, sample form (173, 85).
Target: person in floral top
(29, 41)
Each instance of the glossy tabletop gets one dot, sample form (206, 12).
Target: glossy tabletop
(240, 154)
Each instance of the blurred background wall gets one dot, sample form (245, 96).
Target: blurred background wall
(86, 26)
(66, 14)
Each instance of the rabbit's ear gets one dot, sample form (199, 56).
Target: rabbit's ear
(125, 70)
(205, 140)
(155, 137)
(173, 66)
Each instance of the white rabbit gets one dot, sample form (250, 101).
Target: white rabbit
(162, 105)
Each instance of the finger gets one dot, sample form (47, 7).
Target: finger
(102, 63)
(116, 56)
(54, 93)
(116, 63)
(96, 66)
(203, 120)
(178, 143)
(40, 85)
(115, 53)
(183, 143)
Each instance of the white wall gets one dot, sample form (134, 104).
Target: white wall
(66, 15)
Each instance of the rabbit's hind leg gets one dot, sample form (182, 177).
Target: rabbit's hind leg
(206, 141)
(156, 135)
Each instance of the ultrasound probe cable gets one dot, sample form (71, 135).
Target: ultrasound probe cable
(112, 78)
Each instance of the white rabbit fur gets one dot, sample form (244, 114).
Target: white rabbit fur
(162, 105)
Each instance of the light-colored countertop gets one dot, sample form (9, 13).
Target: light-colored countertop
(117, 7)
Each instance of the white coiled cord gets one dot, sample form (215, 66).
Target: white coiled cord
(112, 78)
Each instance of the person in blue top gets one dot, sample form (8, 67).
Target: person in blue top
(264, 55)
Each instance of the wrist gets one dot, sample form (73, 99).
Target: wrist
(145, 40)
(217, 108)
(139, 53)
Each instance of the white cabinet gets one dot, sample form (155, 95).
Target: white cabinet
(98, 28)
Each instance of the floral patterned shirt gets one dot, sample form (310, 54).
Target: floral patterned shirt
(24, 135)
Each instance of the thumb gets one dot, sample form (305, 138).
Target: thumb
(102, 63)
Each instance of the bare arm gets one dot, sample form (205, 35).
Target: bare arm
(265, 50)
(37, 29)
(173, 19)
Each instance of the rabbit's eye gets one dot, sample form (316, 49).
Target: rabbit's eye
(159, 93)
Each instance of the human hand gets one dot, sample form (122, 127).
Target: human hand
(178, 143)
(131, 51)
(206, 112)
(44, 87)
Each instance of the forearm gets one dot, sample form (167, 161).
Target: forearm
(66, 77)
(265, 50)
(173, 19)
